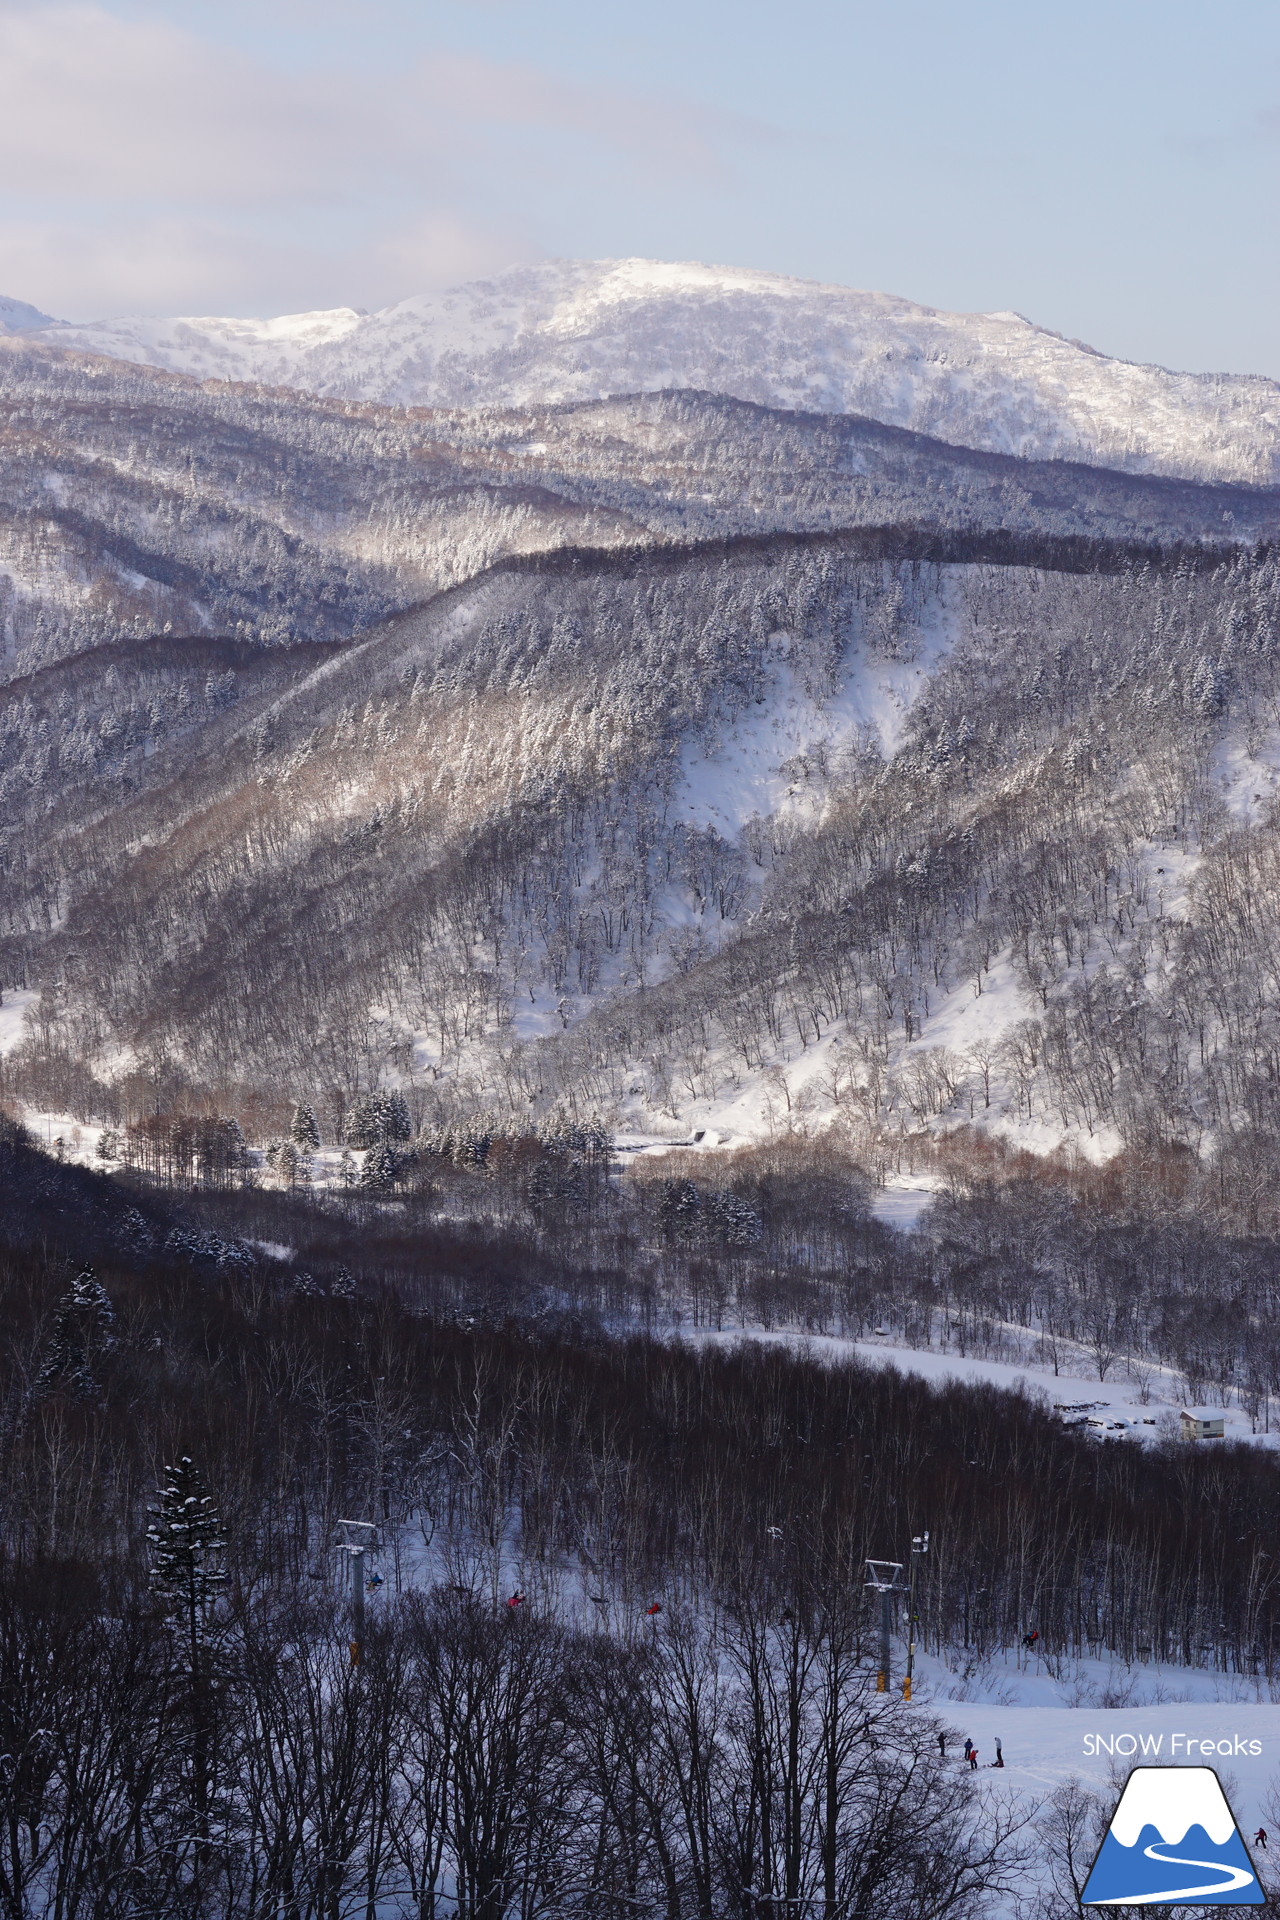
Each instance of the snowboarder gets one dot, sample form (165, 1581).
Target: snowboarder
(999, 1759)
(1031, 1640)
(655, 1608)
(516, 1600)
(973, 1759)
(968, 1748)
(1260, 1838)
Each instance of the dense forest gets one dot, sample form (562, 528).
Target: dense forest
(467, 857)
(616, 1653)
(134, 501)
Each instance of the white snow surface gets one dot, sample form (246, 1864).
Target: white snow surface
(1045, 1746)
(1245, 775)
(13, 1016)
(580, 330)
(17, 316)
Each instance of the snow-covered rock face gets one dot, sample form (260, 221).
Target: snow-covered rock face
(571, 330)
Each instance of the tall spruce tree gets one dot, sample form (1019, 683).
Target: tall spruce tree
(83, 1330)
(187, 1543)
(187, 1548)
(303, 1130)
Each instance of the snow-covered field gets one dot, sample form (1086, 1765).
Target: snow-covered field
(1044, 1746)
(1140, 1400)
(13, 1014)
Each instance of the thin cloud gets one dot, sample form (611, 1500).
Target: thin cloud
(94, 106)
(166, 264)
(145, 166)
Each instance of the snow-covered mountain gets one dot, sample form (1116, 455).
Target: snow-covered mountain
(574, 330)
(16, 316)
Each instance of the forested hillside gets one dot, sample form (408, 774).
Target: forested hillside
(134, 501)
(617, 1654)
(653, 834)
(493, 894)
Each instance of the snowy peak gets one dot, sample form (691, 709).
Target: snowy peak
(570, 330)
(1172, 1800)
(16, 316)
(272, 351)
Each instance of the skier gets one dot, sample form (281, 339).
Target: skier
(942, 1746)
(968, 1748)
(973, 1759)
(999, 1759)
(1031, 1640)
(655, 1608)
(1260, 1838)
(516, 1600)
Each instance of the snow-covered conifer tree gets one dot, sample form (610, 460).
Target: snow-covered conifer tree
(187, 1549)
(186, 1542)
(83, 1329)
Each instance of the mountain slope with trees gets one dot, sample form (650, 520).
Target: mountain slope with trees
(579, 329)
(134, 502)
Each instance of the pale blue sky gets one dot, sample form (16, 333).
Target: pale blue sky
(1109, 170)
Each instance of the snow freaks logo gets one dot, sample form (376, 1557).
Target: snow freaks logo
(1173, 1842)
(1182, 1747)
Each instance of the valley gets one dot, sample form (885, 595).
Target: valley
(656, 973)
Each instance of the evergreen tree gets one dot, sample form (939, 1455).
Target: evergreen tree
(187, 1546)
(680, 1210)
(381, 1169)
(83, 1330)
(186, 1543)
(292, 1165)
(303, 1130)
(377, 1118)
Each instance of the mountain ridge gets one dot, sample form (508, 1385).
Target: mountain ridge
(570, 330)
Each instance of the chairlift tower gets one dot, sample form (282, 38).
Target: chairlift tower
(359, 1538)
(885, 1578)
(919, 1548)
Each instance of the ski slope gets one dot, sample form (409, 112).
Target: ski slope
(1139, 1401)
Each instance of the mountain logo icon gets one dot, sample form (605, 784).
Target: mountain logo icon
(1173, 1842)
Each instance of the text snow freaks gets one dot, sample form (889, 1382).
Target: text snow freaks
(1181, 1746)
